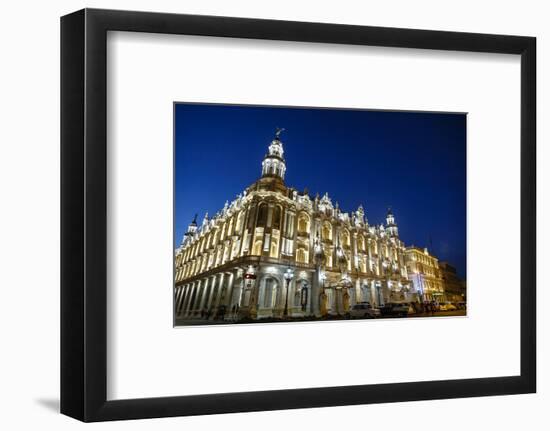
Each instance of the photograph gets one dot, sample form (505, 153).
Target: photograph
(295, 214)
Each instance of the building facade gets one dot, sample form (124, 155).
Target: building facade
(424, 273)
(275, 252)
(453, 285)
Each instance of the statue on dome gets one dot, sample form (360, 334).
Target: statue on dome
(278, 131)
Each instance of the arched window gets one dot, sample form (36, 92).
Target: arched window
(257, 249)
(251, 217)
(302, 254)
(230, 226)
(235, 248)
(225, 254)
(303, 223)
(210, 260)
(270, 292)
(262, 216)
(297, 297)
(345, 238)
(329, 298)
(276, 218)
(361, 243)
(239, 225)
(236, 293)
(274, 249)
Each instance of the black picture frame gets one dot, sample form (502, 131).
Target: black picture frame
(84, 214)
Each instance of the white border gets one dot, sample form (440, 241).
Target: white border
(148, 358)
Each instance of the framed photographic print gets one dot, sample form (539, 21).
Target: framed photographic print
(262, 215)
(277, 253)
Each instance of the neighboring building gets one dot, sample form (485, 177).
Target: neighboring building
(424, 273)
(454, 287)
(271, 237)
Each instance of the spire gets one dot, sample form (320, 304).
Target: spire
(390, 223)
(192, 228)
(274, 164)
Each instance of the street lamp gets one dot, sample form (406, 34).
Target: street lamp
(289, 275)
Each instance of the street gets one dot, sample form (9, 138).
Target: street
(198, 321)
(440, 314)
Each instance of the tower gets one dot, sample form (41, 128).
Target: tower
(391, 227)
(192, 228)
(274, 164)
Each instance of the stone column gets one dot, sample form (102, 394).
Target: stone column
(181, 298)
(373, 293)
(356, 296)
(211, 292)
(315, 292)
(253, 299)
(198, 297)
(184, 299)
(229, 292)
(192, 299)
(204, 294)
(188, 294)
(259, 293)
(218, 294)
(369, 265)
(177, 296)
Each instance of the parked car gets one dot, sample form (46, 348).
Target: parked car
(447, 306)
(394, 309)
(364, 310)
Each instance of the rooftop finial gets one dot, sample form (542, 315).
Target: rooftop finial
(278, 131)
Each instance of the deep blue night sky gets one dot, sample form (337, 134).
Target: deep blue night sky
(413, 162)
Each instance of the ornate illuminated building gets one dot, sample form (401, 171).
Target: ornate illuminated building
(274, 252)
(424, 272)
